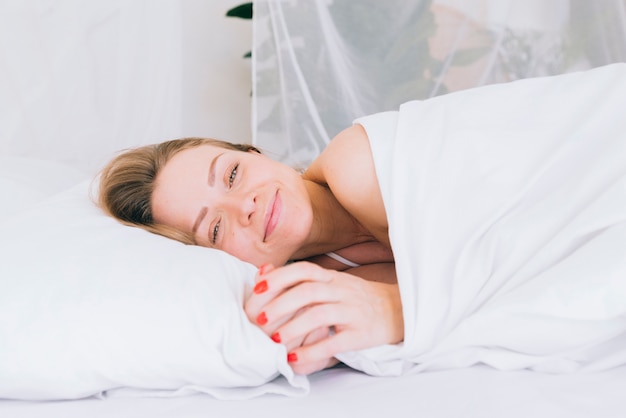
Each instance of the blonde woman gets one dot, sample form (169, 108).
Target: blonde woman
(233, 198)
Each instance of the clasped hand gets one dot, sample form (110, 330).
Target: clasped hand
(297, 305)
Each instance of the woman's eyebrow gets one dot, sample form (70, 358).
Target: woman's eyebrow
(211, 181)
(199, 219)
(212, 170)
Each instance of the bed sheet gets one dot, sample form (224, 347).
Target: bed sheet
(478, 391)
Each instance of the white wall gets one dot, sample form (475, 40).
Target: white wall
(81, 80)
(216, 79)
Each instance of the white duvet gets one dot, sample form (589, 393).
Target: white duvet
(507, 219)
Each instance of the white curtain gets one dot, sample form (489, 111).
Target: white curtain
(319, 64)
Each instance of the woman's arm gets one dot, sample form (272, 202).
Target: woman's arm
(291, 302)
(369, 252)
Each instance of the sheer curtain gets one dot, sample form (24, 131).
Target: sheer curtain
(319, 64)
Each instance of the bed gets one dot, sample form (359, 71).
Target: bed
(135, 329)
(472, 392)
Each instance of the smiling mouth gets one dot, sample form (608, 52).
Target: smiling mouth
(272, 216)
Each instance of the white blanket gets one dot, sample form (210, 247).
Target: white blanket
(507, 219)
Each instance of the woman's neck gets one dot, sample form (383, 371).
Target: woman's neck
(333, 227)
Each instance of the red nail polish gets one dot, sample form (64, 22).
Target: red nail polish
(264, 268)
(276, 337)
(292, 357)
(261, 319)
(260, 287)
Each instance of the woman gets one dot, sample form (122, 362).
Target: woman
(506, 207)
(233, 198)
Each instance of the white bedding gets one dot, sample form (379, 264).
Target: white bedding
(507, 218)
(475, 392)
(343, 392)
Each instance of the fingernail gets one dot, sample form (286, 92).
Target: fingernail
(260, 287)
(261, 319)
(292, 357)
(276, 337)
(264, 268)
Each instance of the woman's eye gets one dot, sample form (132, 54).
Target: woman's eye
(216, 230)
(233, 175)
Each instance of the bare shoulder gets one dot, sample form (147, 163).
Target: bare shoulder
(346, 166)
(345, 150)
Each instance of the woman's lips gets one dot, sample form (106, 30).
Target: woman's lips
(273, 216)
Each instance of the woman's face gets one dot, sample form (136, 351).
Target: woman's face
(240, 202)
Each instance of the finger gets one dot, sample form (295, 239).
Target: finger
(279, 279)
(298, 299)
(311, 338)
(306, 359)
(319, 316)
(309, 368)
(276, 313)
(263, 269)
(311, 358)
(259, 297)
(316, 335)
(274, 283)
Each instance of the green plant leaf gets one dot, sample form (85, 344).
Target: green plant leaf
(243, 11)
(248, 54)
(469, 55)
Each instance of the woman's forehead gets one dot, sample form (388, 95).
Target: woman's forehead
(180, 183)
(191, 159)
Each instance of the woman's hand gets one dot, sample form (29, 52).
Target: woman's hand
(298, 304)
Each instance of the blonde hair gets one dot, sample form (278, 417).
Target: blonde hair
(127, 182)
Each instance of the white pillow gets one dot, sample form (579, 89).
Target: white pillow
(91, 307)
(25, 181)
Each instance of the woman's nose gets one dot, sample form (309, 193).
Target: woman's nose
(242, 206)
